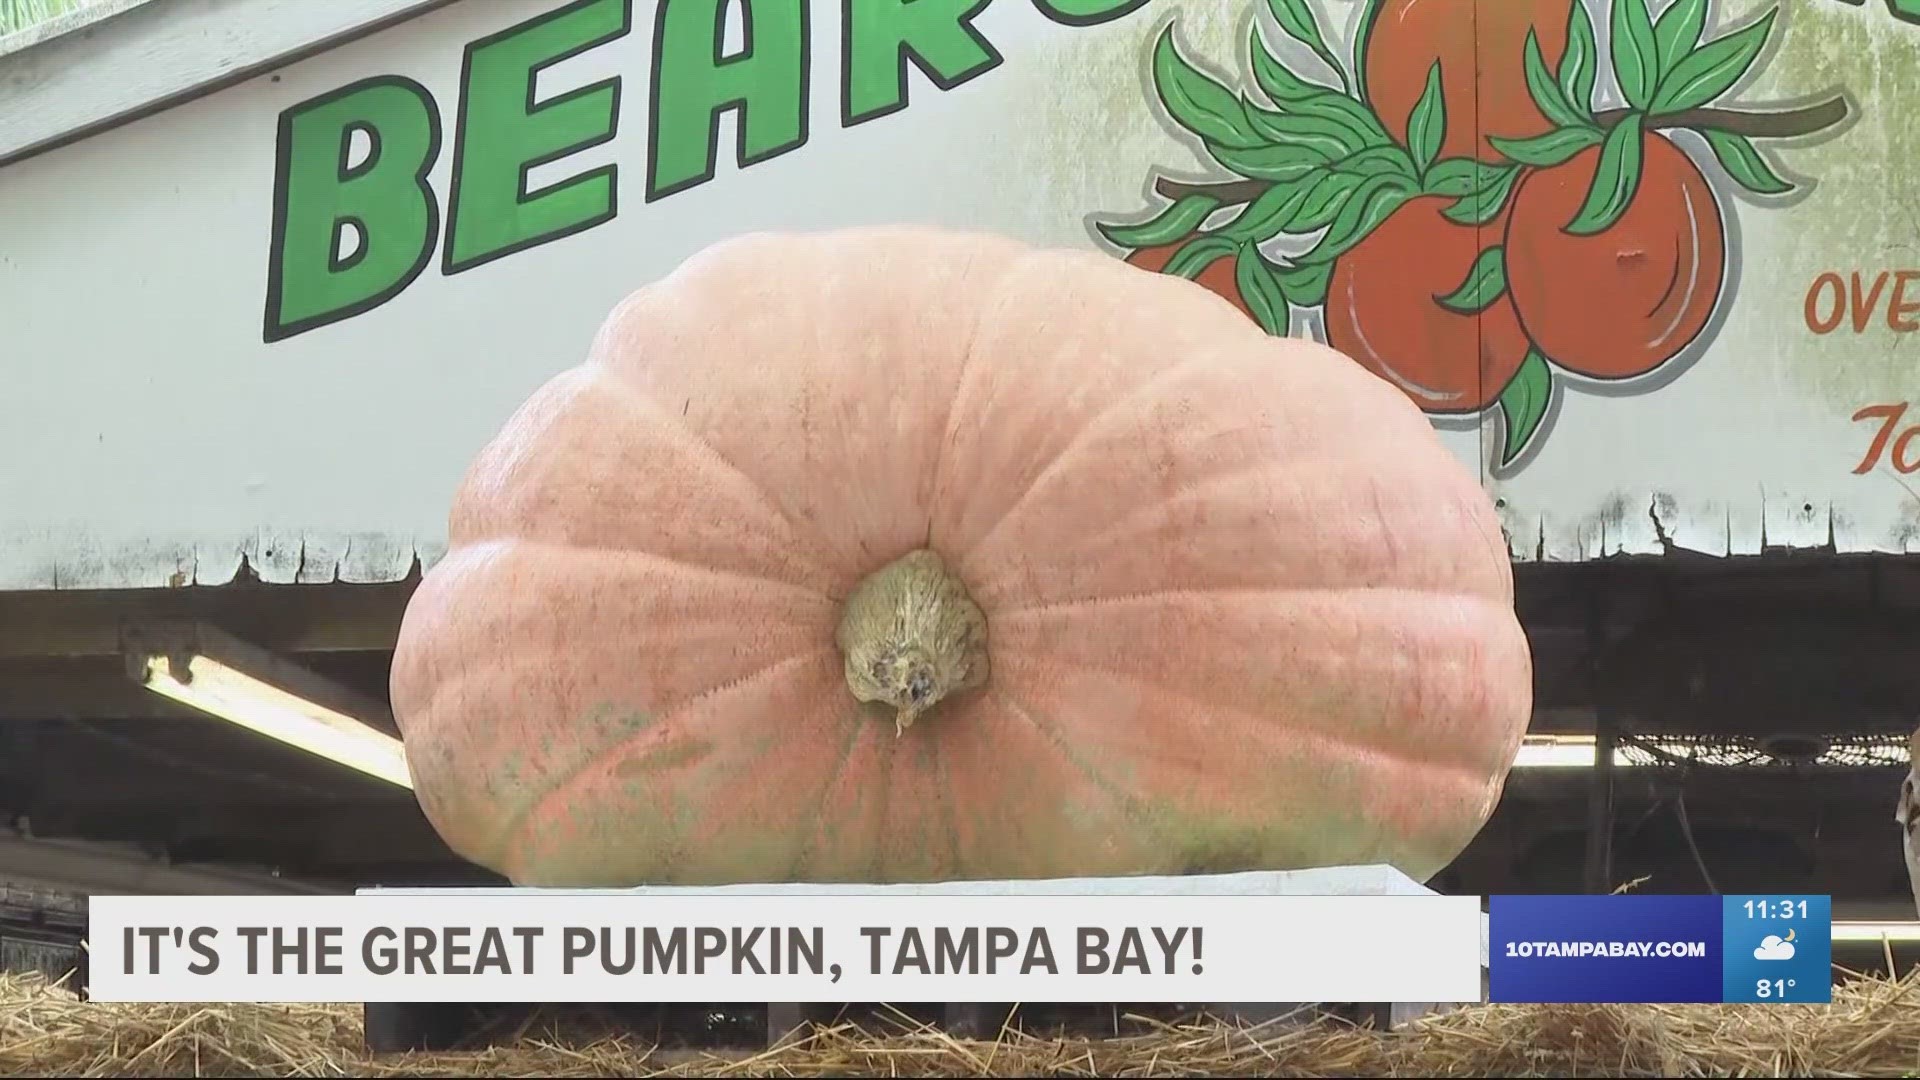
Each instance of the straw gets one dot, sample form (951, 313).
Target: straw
(1871, 1029)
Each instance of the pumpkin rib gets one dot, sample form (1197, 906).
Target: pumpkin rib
(1005, 610)
(1344, 466)
(943, 784)
(497, 502)
(883, 787)
(1131, 518)
(1090, 428)
(1127, 805)
(1168, 613)
(657, 816)
(835, 777)
(439, 695)
(565, 547)
(1201, 592)
(1382, 764)
(704, 445)
(568, 549)
(1192, 461)
(948, 432)
(663, 723)
(491, 566)
(1402, 755)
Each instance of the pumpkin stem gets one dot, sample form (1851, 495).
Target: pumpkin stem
(912, 637)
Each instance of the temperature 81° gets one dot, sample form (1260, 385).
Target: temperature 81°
(1771, 988)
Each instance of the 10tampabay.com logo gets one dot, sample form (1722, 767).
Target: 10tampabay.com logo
(1660, 948)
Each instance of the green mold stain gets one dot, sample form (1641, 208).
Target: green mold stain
(1862, 212)
(1083, 127)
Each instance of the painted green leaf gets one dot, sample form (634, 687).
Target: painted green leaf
(1356, 119)
(1546, 93)
(1330, 137)
(1170, 224)
(1581, 62)
(1196, 101)
(1197, 254)
(1456, 178)
(1307, 285)
(1744, 163)
(1277, 80)
(1485, 282)
(1678, 31)
(1484, 204)
(1375, 160)
(1711, 70)
(1523, 405)
(1293, 94)
(1546, 151)
(1269, 161)
(1636, 57)
(1296, 18)
(1267, 216)
(1262, 291)
(1371, 204)
(1427, 123)
(1361, 36)
(1328, 197)
(1615, 179)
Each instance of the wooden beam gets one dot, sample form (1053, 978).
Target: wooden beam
(165, 53)
(284, 618)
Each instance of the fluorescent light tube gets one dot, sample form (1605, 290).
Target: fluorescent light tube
(1561, 752)
(1876, 931)
(238, 698)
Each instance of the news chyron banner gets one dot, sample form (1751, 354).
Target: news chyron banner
(539, 945)
(1652, 948)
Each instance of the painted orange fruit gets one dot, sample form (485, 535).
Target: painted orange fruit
(1383, 310)
(1218, 278)
(1621, 302)
(1482, 49)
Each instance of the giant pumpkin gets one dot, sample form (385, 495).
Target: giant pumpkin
(906, 554)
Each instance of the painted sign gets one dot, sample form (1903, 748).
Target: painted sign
(1647, 264)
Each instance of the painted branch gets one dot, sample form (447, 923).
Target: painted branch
(1230, 193)
(1761, 125)
(1764, 125)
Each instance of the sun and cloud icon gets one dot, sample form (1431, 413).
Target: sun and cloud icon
(1775, 947)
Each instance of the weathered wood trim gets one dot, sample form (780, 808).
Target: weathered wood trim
(89, 13)
(121, 60)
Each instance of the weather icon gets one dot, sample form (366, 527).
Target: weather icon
(1775, 947)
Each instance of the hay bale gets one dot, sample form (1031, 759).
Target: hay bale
(1872, 1029)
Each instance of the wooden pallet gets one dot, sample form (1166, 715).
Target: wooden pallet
(41, 930)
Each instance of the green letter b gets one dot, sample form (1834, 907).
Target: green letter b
(320, 194)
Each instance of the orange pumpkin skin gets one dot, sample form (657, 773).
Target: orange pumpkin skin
(1244, 610)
